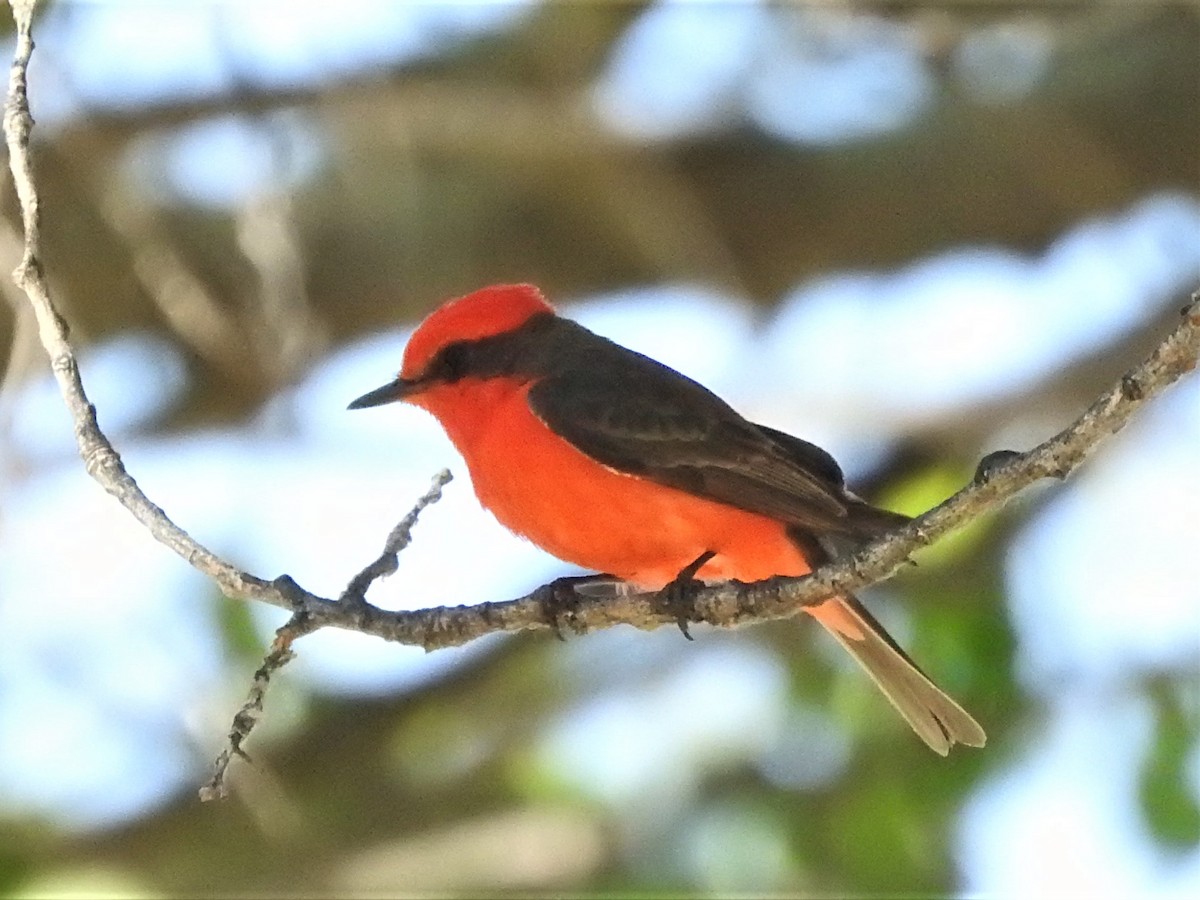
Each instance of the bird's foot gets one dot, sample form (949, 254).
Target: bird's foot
(678, 597)
(562, 596)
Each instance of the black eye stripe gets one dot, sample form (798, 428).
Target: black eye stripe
(452, 362)
(501, 354)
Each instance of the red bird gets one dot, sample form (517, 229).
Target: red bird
(617, 463)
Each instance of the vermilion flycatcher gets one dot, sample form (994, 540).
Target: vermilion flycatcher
(617, 463)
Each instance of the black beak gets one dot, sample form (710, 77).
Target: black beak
(389, 393)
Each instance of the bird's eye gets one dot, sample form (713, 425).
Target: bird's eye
(452, 362)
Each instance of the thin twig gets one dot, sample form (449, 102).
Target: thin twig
(301, 624)
(251, 711)
(401, 536)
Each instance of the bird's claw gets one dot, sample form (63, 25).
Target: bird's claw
(560, 602)
(678, 596)
(562, 596)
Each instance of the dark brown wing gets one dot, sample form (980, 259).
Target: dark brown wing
(638, 416)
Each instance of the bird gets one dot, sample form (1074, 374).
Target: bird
(617, 463)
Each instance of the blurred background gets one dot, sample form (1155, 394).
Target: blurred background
(911, 233)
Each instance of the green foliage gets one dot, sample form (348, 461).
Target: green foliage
(1167, 790)
(239, 635)
(15, 868)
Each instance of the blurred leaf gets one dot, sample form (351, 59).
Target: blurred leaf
(239, 636)
(925, 490)
(14, 870)
(539, 780)
(89, 881)
(1168, 795)
(881, 838)
(439, 744)
(967, 639)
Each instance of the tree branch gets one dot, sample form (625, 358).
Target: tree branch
(352, 600)
(432, 628)
(247, 717)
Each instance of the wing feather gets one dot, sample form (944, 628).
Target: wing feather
(677, 433)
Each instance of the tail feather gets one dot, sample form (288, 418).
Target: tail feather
(934, 716)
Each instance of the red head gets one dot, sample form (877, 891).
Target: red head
(487, 312)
